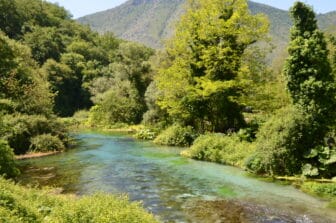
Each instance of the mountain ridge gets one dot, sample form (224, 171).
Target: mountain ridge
(151, 21)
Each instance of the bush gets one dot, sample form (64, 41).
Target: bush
(327, 190)
(320, 161)
(120, 104)
(81, 115)
(176, 135)
(7, 164)
(19, 204)
(147, 134)
(20, 129)
(281, 143)
(220, 148)
(7, 106)
(45, 143)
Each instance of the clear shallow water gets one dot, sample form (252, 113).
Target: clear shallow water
(170, 186)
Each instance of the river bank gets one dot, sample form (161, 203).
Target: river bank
(168, 185)
(36, 155)
(321, 188)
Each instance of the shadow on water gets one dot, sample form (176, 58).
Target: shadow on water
(172, 187)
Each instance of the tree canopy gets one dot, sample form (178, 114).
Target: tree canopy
(202, 85)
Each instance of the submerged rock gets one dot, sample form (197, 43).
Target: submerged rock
(232, 211)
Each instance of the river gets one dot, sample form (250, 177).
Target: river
(173, 188)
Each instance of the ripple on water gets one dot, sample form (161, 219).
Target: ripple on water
(175, 188)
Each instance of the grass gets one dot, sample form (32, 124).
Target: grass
(322, 190)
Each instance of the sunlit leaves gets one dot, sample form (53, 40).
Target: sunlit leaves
(201, 86)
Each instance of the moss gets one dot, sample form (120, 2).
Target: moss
(180, 161)
(157, 155)
(226, 192)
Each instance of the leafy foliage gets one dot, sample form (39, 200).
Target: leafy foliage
(308, 71)
(119, 94)
(201, 87)
(7, 164)
(154, 115)
(19, 204)
(280, 143)
(21, 131)
(45, 143)
(45, 43)
(292, 141)
(120, 104)
(147, 134)
(220, 148)
(176, 135)
(322, 189)
(321, 160)
(19, 80)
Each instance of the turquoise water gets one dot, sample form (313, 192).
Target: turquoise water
(169, 186)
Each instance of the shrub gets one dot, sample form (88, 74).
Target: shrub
(147, 134)
(327, 190)
(81, 115)
(120, 104)
(7, 164)
(20, 204)
(7, 105)
(320, 161)
(96, 116)
(281, 143)
(176, 135)
(20, 129)
(220, 148)
(45, 143)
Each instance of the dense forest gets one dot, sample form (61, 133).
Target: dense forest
(52, 67)
(210, 89)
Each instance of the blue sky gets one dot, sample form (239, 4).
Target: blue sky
(80, 8)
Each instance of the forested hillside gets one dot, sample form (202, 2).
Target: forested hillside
(147, 21)
(152, 21)
(50, 65)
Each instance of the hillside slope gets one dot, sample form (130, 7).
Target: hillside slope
(144, 21)
(151, 21)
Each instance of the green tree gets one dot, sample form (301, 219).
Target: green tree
(132, 64)
(88, 50)
(120, 104)
(201, 87)
(7, 163)
(10, 18)
(292, 140)
(45, 43)
(20, 80)
(310, 81)
(67, 85)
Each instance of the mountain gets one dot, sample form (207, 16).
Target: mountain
(151, 21)
(144, 21)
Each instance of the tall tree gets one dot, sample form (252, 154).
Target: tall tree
(309, 75)
(201, 87)
(10, 18)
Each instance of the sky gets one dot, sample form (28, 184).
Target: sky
(80, 8)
